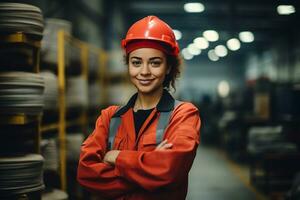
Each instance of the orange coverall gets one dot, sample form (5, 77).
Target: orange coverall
(139, 171)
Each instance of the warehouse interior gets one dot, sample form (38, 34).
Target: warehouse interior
(241, 68)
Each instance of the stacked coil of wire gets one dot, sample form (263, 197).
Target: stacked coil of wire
(50, 153)
(49, 42)
(21, 174)
(51, 90)
(21, 99)
(55, 194)
(21, 92)
(17, 19)
(77, 92)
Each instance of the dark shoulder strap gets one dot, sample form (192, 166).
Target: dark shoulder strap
(163, 122)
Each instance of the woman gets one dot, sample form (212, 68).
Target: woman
(128, 159)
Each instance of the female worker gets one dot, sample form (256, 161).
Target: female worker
(145, 149)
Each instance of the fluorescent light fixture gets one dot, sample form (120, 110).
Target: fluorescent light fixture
(186, 54)
(178, 34)
(246, 36)
(223, 89)
(221, 51)
(285, 9)
(201, 43)
(212, 55)
(233, 44)
(193, 7)
(192, 49)
(211, 35)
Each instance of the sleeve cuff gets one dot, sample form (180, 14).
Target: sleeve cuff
(126, 160)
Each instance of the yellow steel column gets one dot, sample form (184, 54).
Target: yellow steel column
(62, 107)
(84, 73)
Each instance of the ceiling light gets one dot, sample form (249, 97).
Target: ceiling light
(246, 36)
(212, 55)
(193, 7)
(233, 44)
(178, 34)
(201, 43)
(223, 89)
(192, 49)
(285, 9)
(221, 51)
(186, 54)
(211, 35)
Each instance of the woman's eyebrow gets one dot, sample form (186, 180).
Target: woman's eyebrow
(153, 58)
(134, 57)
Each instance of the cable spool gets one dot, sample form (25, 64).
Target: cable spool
(55, 194)
(94, 94)
(93, 62)
(77, 92)
(50, 154)
(18, 21)
(51, 90)
(74, 142)
(21, 92)
(19, 17)
(49, 42)
(21, 175)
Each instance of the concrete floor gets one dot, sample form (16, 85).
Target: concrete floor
(213, 177)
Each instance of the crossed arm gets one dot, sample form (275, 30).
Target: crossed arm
(98, 175)
(115, 173)
(111, 156)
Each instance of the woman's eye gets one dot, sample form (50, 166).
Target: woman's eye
(136, 63)
(155, 63)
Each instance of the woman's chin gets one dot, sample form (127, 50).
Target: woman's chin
(147, 89)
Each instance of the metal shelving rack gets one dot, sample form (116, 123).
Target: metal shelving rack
(82, 120)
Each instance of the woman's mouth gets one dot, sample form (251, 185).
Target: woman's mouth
(145, 81)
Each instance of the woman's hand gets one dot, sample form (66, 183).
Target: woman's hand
(111, 156)
(164, 145)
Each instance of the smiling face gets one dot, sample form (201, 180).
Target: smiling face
(147, 69)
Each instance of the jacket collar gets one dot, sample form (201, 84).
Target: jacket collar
(165, 104)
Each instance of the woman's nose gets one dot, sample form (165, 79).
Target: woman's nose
(145, 69)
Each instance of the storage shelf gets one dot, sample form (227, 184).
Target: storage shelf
(19, 38)
(17, 119)
(55, 126)
(71, 118)
(49, 127)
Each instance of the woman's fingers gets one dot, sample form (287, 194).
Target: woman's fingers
(164, 145)
(168, 146)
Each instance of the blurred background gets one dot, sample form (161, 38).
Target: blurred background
(241, 67)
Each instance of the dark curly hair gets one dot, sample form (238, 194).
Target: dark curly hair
(172, 61)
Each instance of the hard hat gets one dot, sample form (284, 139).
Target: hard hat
(152, 28)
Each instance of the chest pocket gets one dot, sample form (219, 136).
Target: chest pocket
(148, 142)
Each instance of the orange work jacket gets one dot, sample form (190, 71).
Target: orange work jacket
(140, 173)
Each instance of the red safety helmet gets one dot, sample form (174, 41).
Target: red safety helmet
(152, 28)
